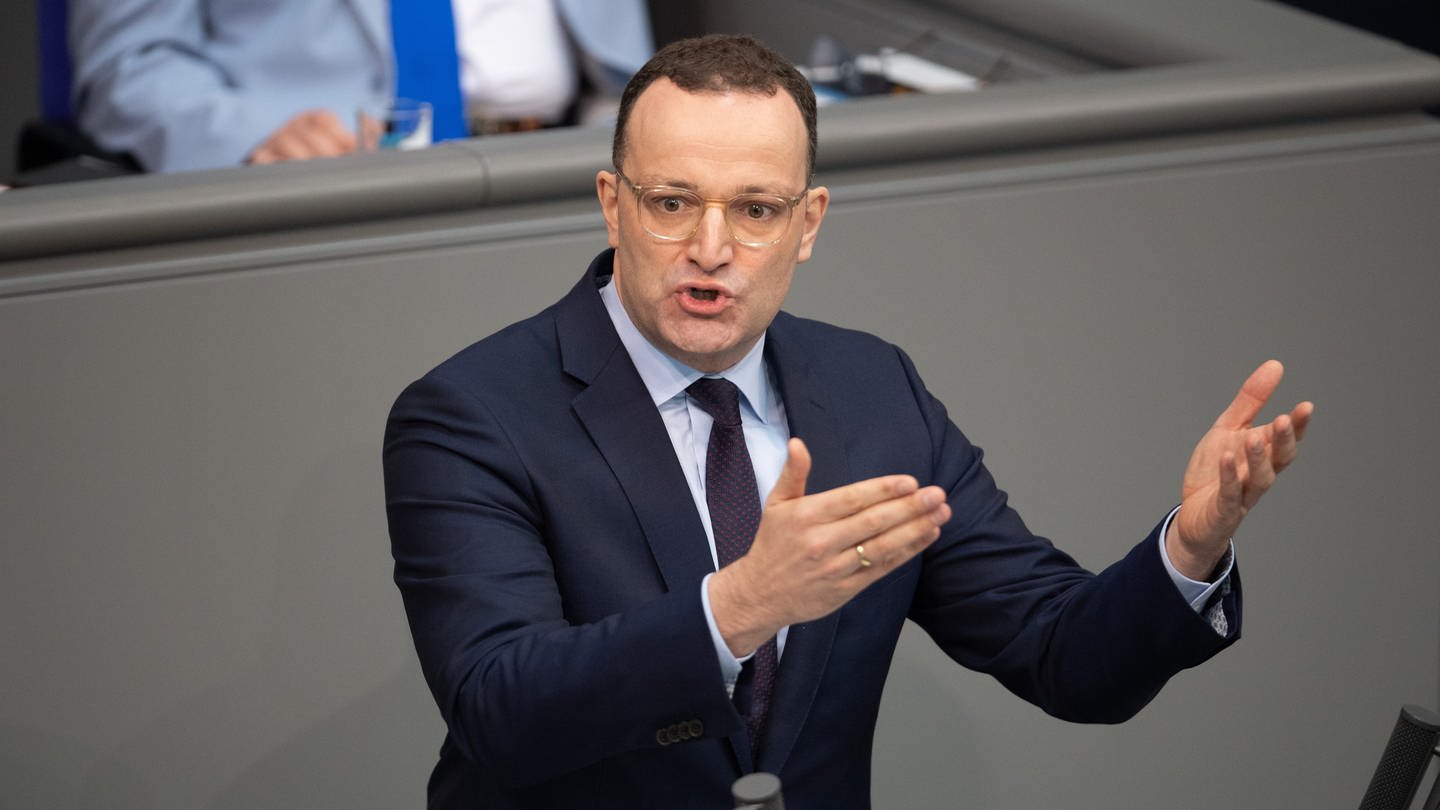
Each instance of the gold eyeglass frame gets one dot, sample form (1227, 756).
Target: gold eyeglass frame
(723, 204)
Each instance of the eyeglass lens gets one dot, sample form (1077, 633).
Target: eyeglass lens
(752, 218)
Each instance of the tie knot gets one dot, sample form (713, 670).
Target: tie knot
(718, 397)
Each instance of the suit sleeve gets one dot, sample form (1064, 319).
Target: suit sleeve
(997, 598)
(526, 693)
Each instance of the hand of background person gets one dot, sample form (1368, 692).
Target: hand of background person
(311, 134)
(1234, 464)
(803, 563)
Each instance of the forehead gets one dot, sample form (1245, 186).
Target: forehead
(674, 134)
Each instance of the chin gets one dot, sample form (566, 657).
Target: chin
(703, 341)
(707, 357)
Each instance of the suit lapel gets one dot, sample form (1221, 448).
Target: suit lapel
(807, 648)
(616, 410)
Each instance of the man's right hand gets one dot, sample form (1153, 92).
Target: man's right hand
(804, 563)
(311, 134)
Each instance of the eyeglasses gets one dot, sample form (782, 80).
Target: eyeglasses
(674, 214)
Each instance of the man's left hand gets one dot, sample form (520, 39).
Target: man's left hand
(1234, 464)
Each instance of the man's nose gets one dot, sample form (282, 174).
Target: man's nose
(711, 247)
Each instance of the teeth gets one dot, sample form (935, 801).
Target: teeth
(704, 295)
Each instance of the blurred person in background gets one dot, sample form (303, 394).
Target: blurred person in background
(196, 84)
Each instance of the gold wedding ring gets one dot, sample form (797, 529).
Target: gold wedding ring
(860, 552)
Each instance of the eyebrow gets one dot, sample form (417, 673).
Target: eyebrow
(689, 186)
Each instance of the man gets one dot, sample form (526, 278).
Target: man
(562, 493)
(198, 84)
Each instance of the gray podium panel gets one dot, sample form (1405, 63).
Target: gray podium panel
(196, 596)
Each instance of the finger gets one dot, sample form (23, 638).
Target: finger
(313, 142)
(1260, 475)
(273, 149)
(1252, 396)
(863, 560)
(878, 518)
(317, 133)
(283, 145)
(894, 546)
(1301, 417)
(327, 136)
(1284, 444)
(839, 503)
(370, 131)
(793, 475)
(279, 148)
(1230, 491)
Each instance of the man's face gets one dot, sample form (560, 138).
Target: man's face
(706, 300)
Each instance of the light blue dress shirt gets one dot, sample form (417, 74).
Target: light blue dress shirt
(762, 416)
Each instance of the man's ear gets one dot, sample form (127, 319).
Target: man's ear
(816, 202)
(607, 188)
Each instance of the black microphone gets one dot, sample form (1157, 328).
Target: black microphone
(1403, 764)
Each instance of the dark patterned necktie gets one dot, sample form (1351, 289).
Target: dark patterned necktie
(734, 502)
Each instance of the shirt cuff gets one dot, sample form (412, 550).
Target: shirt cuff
(1194, 592)
(729, 664)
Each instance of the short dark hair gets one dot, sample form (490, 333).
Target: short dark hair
(720, 63)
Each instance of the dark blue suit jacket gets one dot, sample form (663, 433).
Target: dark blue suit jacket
(550, 555)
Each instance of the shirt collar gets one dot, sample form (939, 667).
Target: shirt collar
(666, 378)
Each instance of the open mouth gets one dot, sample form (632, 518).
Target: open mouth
(703, 295)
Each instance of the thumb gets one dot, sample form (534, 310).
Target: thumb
(793, 475)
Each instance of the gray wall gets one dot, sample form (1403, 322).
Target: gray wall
(1085, 331)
